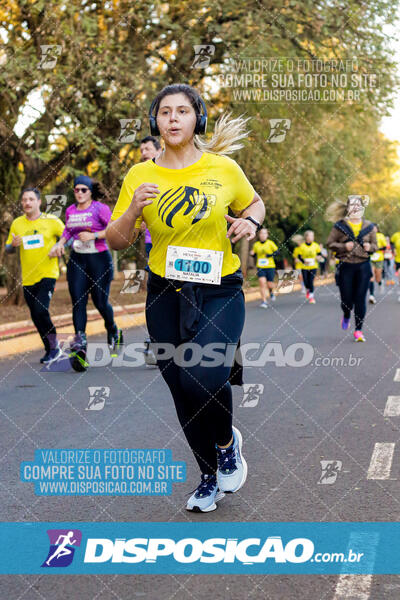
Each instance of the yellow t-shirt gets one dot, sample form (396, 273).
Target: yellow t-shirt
(190, 209)
(308, 254)
(297, 263)
(263, 248)
(35, 262)
(395, 239)
(356, 227)
(381, 242)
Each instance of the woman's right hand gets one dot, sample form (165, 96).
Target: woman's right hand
(349, 246)
(141, 198)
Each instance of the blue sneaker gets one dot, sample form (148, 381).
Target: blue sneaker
(232, 468)
(345, 323)
(206, 495)
(45, 357)
(52, 355)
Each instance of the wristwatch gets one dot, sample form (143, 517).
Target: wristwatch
(256, 223)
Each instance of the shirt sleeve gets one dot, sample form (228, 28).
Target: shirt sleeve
(244, 191)
(125, 198)
(318, 249)
(9, 239)
(104, 214)
(274, 247)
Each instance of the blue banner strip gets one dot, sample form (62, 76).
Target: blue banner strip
(208, 548)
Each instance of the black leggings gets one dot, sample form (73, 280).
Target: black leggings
(38, 298)
(353, 281)
(90, 273)
(202, 395)
(308, 278)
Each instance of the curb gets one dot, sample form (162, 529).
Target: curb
(16, 339)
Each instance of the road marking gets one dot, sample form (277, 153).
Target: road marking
(381, 461)
(397, 375)
(356, 587)
(392, 408)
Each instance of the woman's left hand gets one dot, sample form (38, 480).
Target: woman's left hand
(240, 228)
(86, 236)
(366, 246)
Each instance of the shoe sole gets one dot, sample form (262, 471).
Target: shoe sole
(244, 463)
(212, 507)
(78, 361)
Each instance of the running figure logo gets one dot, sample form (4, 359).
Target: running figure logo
(50, 54)
(330, 471)
(97, 397)
(203, 54)
(190, 199)
(286, 281)
(62, 547)
(55, 204)
(133, 279)
(251, 394)
(279, 129)
(129, 129)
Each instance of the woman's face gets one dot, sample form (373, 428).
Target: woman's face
(82, 193)
(309, 237)
(176, 119)
(263, 235)
(355, 209)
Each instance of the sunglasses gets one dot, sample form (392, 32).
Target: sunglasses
(83, 190)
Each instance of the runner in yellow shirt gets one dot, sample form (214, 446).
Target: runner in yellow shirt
(195, 283)
(308, 253)
(35, 234)
(265, 250)
(377, 260)
(298, 239)
(395, 240)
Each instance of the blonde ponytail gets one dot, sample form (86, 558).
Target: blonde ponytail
(336, 211)
(226, 137)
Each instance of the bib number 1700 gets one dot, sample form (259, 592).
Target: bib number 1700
(192, 266)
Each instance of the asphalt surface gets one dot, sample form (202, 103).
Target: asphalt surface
(329, 411)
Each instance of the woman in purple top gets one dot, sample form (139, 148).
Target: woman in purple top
(90, 267)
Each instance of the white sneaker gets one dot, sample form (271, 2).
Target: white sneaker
(263, 305)
(206, 495)
(372, 300)
(232, 468)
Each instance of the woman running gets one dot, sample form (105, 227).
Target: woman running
(195, 282)
(298, 240)
(353, 240)
(90, 267)
(307, 254)
(377, 265)
(265, 250)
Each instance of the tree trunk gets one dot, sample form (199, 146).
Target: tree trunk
(15, 296)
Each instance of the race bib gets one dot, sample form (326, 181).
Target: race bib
(194, 264)
(84, 247)
(388, 255)
(375, 257)
(310, 262)
(33, 241)
(263, 262)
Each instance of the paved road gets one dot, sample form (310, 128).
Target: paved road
(325, 410)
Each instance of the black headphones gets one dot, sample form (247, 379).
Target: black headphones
(201, 119)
